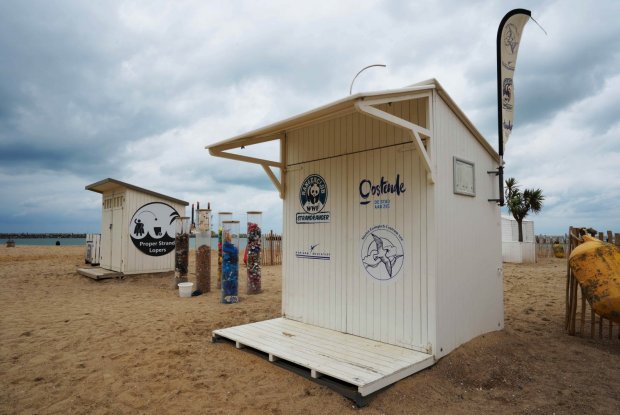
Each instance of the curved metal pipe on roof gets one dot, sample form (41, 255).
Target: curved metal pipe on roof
(363, 69)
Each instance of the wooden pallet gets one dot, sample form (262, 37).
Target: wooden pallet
(98, 273)
(330, 357)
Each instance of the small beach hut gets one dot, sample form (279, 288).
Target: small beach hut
(137, 230)
(391, 233)
(513, 250)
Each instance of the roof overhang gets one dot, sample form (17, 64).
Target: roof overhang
(108, 185)
(277, 130)
(365, 103)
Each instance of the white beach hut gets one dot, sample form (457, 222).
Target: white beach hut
(513, 250)
(392, 254)
(137, 230)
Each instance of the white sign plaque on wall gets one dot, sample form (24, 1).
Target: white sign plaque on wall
(464, 177)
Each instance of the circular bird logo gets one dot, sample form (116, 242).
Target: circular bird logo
(382, 252)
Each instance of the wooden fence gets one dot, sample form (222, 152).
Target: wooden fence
(575, 297)
(271, 253)
(544, 245)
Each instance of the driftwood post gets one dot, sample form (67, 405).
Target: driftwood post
(271, 247)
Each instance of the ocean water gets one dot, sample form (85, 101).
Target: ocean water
(47, 241)
(82, 242)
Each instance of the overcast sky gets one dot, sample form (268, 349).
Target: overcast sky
(134, 90)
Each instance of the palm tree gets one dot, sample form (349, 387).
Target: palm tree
(521, 203)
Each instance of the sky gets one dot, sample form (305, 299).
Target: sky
(134, 90)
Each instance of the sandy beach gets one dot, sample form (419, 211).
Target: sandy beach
(69, 344)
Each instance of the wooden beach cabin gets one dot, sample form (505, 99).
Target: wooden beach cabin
(137, 230)
(392, 250)
(514, 251)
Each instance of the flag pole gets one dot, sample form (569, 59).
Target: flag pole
(500, 131)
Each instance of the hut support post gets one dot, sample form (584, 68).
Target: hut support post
(266, 164)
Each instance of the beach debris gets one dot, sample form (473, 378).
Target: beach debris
(203, 252)
(222, 216)
(596, 265)
(203, 268)
(253, 251)
(230, 262)
(181, 253)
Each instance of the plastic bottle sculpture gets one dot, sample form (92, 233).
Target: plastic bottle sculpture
(203, 251)
(230, 262)
(222, 216)
(253, 250)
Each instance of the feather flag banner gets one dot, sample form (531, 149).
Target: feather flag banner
(508, 40)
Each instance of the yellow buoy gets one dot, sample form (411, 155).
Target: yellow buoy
(558, 251)
(596, 265)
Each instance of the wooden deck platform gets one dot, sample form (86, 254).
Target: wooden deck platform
(365, 364)
(98, 273)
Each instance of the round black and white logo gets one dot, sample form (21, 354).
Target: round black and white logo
(382, 252)
(313, 194)
(152, 228)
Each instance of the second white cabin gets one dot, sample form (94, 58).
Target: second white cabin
(137, 228)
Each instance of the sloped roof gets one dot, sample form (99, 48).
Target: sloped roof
(111, 184)
(272, 131)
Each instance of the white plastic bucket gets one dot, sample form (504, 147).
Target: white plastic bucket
(185, 289)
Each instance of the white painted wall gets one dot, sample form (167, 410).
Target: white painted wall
(339, 293)
(469, 286)
(451, 287)
(135, 261)
(117, 250)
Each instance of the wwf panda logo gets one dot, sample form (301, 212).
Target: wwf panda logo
(313, 194)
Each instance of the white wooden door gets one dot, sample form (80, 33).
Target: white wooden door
(386, 285)
(106, 237)
(112, 232)
(314, 265)
(117, 238)
(362, 271)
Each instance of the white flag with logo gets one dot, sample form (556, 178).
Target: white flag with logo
(509, 47)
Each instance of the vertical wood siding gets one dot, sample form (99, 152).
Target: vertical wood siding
(135, 260)
(469, 282)
(111, 230)
(353, 132)
(339, 294)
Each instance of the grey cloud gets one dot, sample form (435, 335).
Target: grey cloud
(94, 89)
